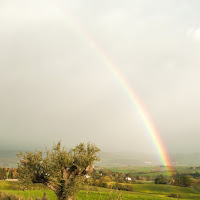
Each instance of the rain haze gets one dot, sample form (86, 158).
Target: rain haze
(56, 85)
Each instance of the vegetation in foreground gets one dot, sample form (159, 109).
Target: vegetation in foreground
(140, 191)
(62, 171)
(69, 174)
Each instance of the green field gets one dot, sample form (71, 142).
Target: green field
(141, 192)
(151, 171)
(36, 191)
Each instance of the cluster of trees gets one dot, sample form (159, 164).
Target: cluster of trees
(178, 179)
(194, 175)
(8, 173)
(102, 177)
(182, 180)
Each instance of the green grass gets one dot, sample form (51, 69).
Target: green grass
(141, 192)
(37, 190)
(136, 170)
(166, 190)
(130, 169)
(114, 196)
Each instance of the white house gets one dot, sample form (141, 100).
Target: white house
(128, 178)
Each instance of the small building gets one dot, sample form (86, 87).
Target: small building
(128, 178)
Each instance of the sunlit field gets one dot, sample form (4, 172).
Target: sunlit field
(140, 191)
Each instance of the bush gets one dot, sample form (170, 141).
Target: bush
(124, 187)
(178, 196)
(160, 179)
(105, 185)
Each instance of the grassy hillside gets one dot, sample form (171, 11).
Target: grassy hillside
(141, 192)
(37, 190)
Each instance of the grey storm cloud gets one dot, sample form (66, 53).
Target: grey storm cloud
(55, 85)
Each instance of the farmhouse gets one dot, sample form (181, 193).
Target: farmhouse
(128, 178)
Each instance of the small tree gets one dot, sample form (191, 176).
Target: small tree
(10, 174)
(182, 180)
(3, 174)
(61, 170)
(160, 179)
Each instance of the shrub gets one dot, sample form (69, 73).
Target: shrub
(160, 179)
(178, 196)
(105, 185)
(124, 187)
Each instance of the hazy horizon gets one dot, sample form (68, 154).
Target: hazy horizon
(55, 86)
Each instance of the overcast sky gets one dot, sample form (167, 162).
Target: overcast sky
(54, 85)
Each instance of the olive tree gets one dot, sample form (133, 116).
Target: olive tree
(61, 170)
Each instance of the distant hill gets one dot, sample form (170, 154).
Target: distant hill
(142, 159)
(9, 159)
(127, 159)
(186, 159)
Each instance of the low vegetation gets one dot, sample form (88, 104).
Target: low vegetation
(140, 192)
(7, 196)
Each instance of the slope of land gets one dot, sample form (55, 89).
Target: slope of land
(141, 191)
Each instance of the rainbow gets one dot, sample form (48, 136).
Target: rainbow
(148, 123)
